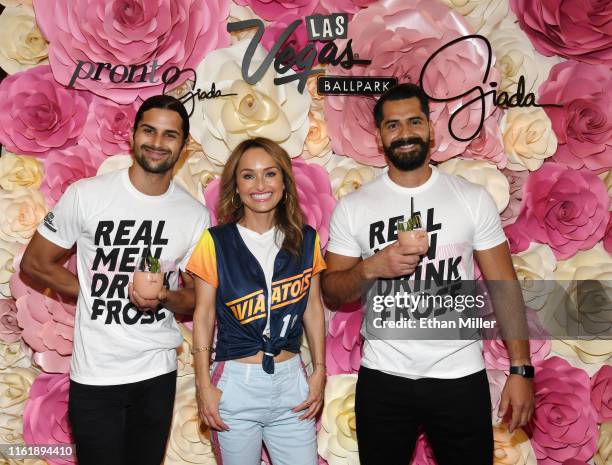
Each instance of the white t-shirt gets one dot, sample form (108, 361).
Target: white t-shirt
(264, 248)
(460, 217)
(112, 223)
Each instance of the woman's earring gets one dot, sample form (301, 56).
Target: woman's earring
(285, 197)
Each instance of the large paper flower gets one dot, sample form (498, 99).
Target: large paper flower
(189, 440)
(314, 196)
(528, 138)
(601, 393)
(160, 34)
(272, 9)
(399, 36)
(9, 329)
(337, 438)
(594, 351)
(564, 425)
(18, 171)
(21, 43)
(604, 445)
(583, 124)
(345, 6)
(7, 253)
(483, 173)
(534, 269)
(37, 114)
(564, 208)
(483, 15)
(346, 175)
(108, 126)
(343, 341)
(21, 210)
(497, 381)
(14, 354)
(512, 448)
(517, 238)
(45, 417)
(47, 325)
(15, 384)
(578, 30)
(488, 145)
(63, 167)
(516, 58)
(278, 112)
(516, 179)
(317, 143)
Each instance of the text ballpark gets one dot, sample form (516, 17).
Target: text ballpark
(284, 292)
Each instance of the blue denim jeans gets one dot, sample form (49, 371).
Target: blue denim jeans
(257, 408)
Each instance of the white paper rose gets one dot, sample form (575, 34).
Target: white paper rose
(603, 456)
(20, 171)
(483, 173)
(346, 175)
(189, 440)
(317, 143)
(8, 250)
(184, 357)
(534, 269)
(528, 138)
(22, 45)
(337, 438)
(482, 15)
(241, 13)
(15, 384)
(14, 355)
(515, 57)
(512, 448)
(21, 210)
(278, 112)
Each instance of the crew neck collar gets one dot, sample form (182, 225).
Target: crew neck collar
(125, 175)
(412, 190)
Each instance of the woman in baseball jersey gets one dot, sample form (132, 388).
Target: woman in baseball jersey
(257, 278)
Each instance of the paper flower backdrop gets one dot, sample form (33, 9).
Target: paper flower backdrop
(66, 113)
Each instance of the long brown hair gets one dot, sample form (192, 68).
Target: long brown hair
(288, 215)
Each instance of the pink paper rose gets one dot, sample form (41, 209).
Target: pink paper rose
(516, 180)
(343, 341)
(272, 9)
(108, 125)
(581, 30)
(161, 34)
(399, 36)
(314, 195)
(37, 114)
(9, 329)
(47, 325)
(488, 145)
(423, 455)
(564, 208)
(517, 238)
(601, 393)
(564, 425)
(63, 167)
(583, 125)
(344, 6)
(497, 381)
(45, 416)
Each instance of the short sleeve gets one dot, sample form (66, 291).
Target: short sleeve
(202, 225)
(62, 225)
(203, 261)
(341, 239)
(318, 264)
(488, 231)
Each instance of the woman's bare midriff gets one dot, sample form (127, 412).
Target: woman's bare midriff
(258, 357)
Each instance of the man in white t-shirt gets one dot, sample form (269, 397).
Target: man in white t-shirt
(123, 367)
(408, 383)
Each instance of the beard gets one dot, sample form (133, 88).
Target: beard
(407, 161)
(156, 168)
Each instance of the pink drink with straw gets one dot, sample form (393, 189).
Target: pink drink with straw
(411, 232)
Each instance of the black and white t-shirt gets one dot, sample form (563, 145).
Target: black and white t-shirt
(460, 217)
(112, 223)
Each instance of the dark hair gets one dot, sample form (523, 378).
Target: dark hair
(289, 216)
(165, 102)
(401, 92)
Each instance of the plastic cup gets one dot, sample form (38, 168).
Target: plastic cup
(414, 238)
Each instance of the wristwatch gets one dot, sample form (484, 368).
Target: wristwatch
(526, 371)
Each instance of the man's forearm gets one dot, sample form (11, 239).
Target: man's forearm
(180, 301)
(518, 351)
(340, 287)
(56, 278)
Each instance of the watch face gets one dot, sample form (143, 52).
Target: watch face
(525, 371)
